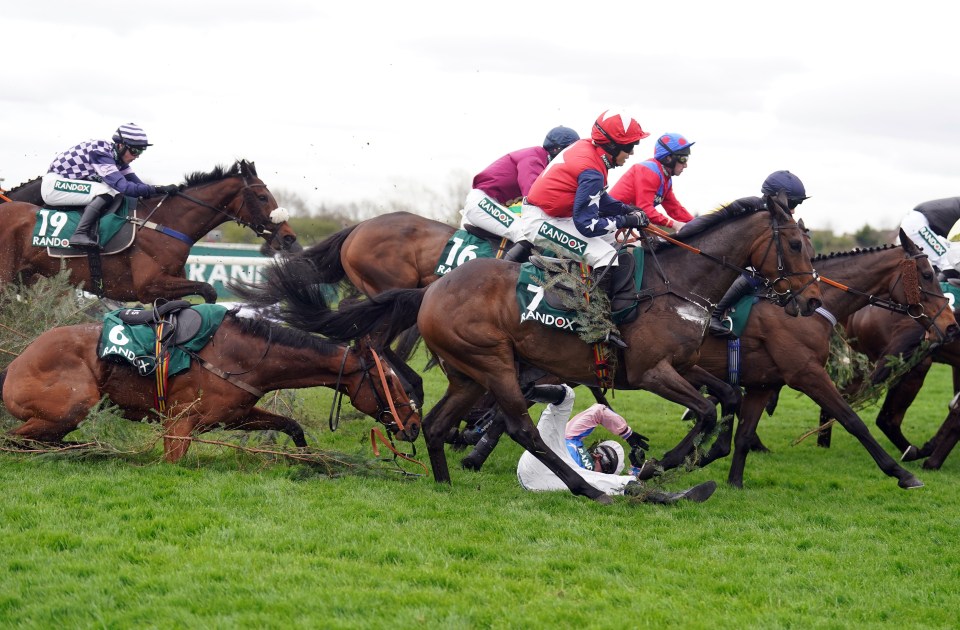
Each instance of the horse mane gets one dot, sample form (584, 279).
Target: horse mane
(283, 335)
(706, 222)
(854, 252)
(218, 173)
(25, 184)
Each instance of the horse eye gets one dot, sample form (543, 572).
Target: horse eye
(262, 198)
(796, 246)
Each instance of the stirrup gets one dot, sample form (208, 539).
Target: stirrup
(83, 243)
(721, 327)
(614, 339)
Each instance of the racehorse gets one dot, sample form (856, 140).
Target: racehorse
(470, 319)
(776, 351)
(154, 265)
(880, 334)
(398, 250)
(58, 378)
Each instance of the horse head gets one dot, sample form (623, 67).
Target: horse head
(380, 394)
(785, 256)
(918, 288)
(257, 208)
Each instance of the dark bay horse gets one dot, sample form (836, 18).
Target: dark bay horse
(777, 351)
(58, 378)
(470, 319)
(880, 334)
(398, 250)
(154, 265)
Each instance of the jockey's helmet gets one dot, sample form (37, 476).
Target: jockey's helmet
(560, 138)
(615, 131)
(671, 144)
(131, 135)
(787, 182)
(608, 457)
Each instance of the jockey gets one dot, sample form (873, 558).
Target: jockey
(650, 183)
(104, 169)
(568, 207)
(507, 181)
(600, 465)
(776, 182)
(929, 226)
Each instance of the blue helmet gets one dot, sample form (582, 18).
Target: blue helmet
(787, 182)
(560, 138)
(671, 144)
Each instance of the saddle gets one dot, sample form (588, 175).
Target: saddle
(622, 284)
(115, 205)
(181, 323)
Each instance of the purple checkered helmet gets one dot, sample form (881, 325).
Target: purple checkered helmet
(131, 135)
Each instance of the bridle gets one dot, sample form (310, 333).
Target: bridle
(782, 298)
(386, 413)
(912, 308)
(247, 187)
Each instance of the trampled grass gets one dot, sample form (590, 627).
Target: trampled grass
(817, 538)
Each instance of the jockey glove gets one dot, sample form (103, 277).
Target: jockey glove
(166, 190)
(637, 457)
(633, 220)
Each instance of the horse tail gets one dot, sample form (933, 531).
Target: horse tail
(287, 278)
(387, 315)
(325, 257)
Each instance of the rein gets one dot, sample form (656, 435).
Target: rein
(257, 229)
(230, 377)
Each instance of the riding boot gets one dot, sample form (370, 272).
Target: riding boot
(740, 288)
(604, 282)
(86, 235)
(550, 394)
(485, 446)
(520, 252)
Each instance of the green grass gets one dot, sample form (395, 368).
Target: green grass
(817, 538)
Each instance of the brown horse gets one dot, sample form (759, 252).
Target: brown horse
(776, 351)
(58, 378)
(154, 265)
(880, 334)
(470, 319)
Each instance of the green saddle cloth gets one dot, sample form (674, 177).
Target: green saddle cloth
(739, 313)
(125, 343)
(462, 247)
(530, 298)
(952, 293)
(54, 227)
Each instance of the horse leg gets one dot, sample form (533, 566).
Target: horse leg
(815, 383)
(898, 400)
(825, 434)
(943, 442)
(520, 427)
(729, 398)
(258, 420)
(38, 429)
(664, 381)
(176, 436)
(461, 394)
(750, 412)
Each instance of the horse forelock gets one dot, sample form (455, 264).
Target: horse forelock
(284, 335)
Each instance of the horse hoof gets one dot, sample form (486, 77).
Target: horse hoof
(648, 470)
(908, 483)
(603, 499)
(910, 454)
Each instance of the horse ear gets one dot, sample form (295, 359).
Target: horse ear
(778, 203)
(247, 169)
(908, 245)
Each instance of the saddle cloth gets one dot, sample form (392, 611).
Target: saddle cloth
(56, 224)
(130, 335)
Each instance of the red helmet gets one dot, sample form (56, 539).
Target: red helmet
(616, 128)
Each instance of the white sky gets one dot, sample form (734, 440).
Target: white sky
(350, 101)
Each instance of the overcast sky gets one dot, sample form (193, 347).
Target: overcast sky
(349, 101)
